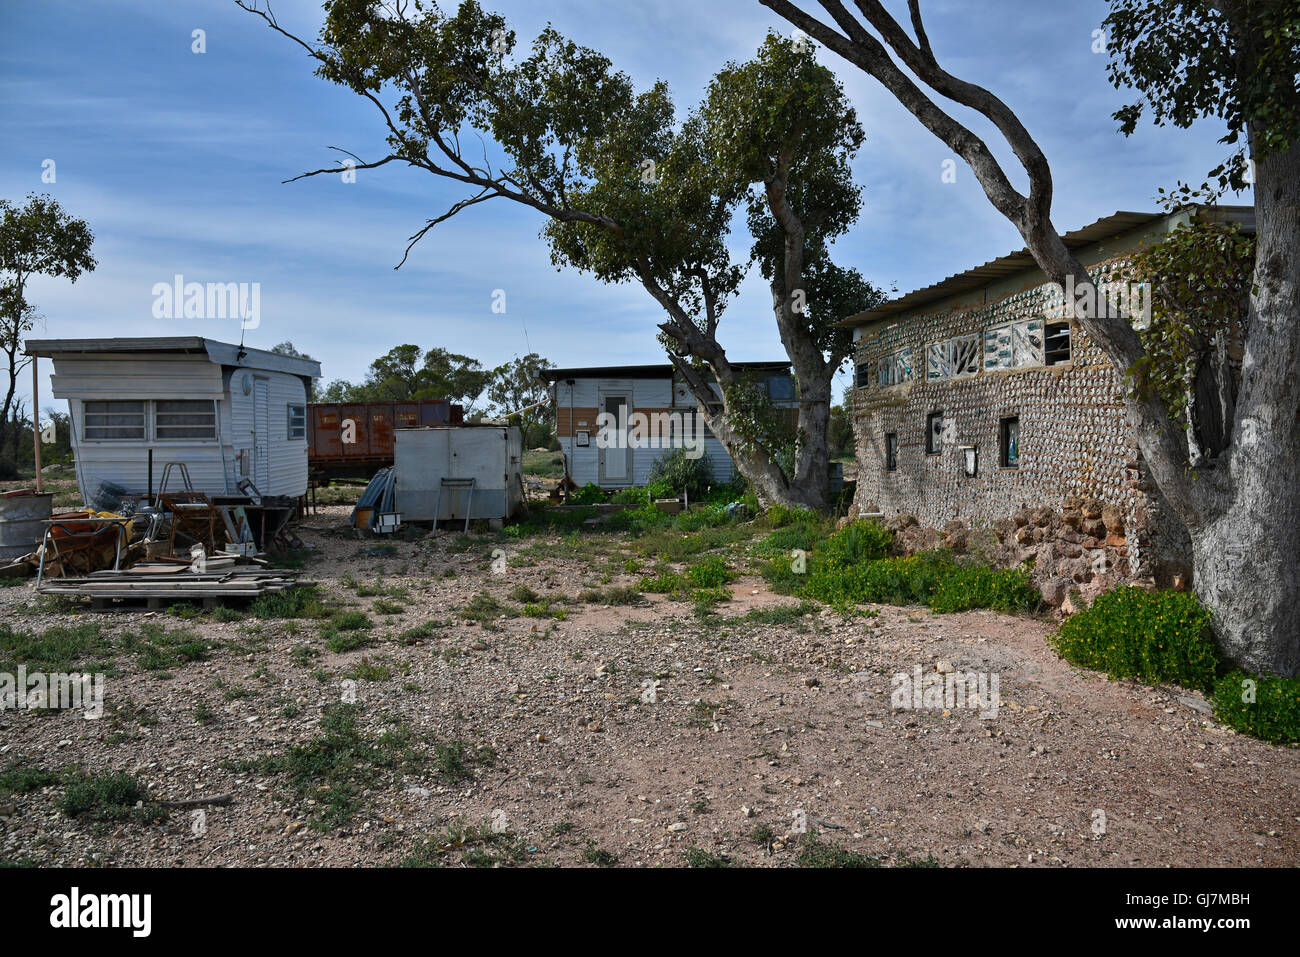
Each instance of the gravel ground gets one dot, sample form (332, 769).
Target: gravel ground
(753, 732)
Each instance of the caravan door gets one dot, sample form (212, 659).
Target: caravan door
(615, 450)
(262, 435)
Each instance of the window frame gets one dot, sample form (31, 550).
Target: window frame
(156, 410)
(86, 413)
(891, 451)
(289, 420)
(1055, 328)
(1004, 431)
(931, 446)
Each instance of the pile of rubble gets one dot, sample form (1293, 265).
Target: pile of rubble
(1075, 553)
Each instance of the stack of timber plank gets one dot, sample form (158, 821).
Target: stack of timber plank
(156, 583)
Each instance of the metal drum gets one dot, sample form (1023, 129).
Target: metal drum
(22, 516)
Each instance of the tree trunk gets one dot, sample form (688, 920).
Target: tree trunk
(1246, 564)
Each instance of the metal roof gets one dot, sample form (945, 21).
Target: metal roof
(643, 372)
(1022, 261)
(221, 353)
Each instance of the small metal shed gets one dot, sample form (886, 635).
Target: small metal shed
(434, 466)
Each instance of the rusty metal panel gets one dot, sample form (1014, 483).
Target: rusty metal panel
(370, 425)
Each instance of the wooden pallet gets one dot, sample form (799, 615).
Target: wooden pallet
(155, 585)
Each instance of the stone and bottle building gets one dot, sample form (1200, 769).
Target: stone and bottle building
(987, 420)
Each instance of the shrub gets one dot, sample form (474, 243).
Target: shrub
(102, 797)
(659, 489)
(629, 496)
(1273, 715)
(779, 516)
(978, 586)
(860, 541)
(300, 601)
(589, 494)
(709, 572)
(890, 581)
(1155, 637)
(681, 473)
(665, 583)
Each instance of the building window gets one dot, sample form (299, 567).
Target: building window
(298, 421)
(780, 388)
(891, 451)
(1014, 346)
(952, 358)
(934, 433)
(113, 420)
(1056, 343)
(1009, 442)
(895, 368)
(862, 376)
(184, 419)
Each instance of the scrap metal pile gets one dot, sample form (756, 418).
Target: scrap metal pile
(182, 545)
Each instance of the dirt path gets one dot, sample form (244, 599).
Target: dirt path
(751, 726)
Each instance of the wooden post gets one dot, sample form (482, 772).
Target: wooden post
(36, 424)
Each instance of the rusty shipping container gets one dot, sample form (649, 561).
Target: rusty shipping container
(355, 439)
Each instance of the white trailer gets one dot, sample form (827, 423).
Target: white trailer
(458, 472)
(226, 411)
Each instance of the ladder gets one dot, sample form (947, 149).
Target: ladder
(453, 483)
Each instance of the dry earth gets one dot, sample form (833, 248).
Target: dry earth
(752, 726)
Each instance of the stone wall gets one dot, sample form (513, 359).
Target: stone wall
(1075, 445)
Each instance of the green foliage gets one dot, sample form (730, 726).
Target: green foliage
(1237, 62)
(1155, 637)
(976, 586)
(851, 566)
(814, 852)
(699, 857)
(630, 194)
(347, 631)
(22, 780)
(515, 386)
(1273, 714)
(859, 541)
(1200, 281)
(103, 797)
(681, 473)
(335, 767)
(710, 572)
(407, 372)
(300, 601)
(59, 649)
(589, 494)
(665, 583)
(890, 581)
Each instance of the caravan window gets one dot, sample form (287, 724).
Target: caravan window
(114, 420)
(185, 419)
(298, 421)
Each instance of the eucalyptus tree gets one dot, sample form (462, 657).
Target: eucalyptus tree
(1234, 60)
(630, 195)
(38, 238)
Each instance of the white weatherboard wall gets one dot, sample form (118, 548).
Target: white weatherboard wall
(214, 465)
(646, 395)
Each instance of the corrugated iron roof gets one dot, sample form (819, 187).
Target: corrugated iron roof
(1020, 261)
(222, 353)
(643, 372)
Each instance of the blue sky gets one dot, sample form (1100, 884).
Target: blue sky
(176, 160)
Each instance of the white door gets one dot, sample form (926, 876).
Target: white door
(262, 436)
(615, 450)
